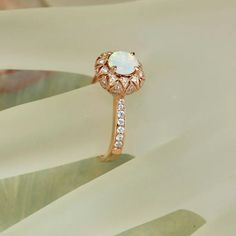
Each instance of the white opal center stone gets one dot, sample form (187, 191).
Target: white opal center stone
(125, 62)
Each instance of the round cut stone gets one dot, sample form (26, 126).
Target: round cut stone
(121, 122)
(121, 114)
(118, 144)
(121, 107)
(125, 62)
(119, 137)
(120, 129)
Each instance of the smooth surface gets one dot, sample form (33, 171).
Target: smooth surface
(124, 62)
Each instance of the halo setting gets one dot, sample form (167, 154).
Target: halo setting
(119, 72)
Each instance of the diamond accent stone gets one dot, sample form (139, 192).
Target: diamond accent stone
(117, 88)
(121, 107)
(119, 137)
(103, 82)
(121, 122)
(121, 101)
(120, 129)
(112, 79)
(104, 70)
(101, 61)
(124, 62)
(135, 79)
(141, 73)
(121, 114)
(118, 144)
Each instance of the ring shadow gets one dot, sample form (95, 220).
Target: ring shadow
(22, 86)
(178, 223)
(22, 195)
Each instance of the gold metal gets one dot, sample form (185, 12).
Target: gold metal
(113, 152)
(114, 84)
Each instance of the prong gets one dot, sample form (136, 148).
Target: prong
(95, 79)
(114, 68)
(109, 53)
(137, 68)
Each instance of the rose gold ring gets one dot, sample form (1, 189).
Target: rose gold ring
(120, 73)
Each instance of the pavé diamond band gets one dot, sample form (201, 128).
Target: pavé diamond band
(120, 73)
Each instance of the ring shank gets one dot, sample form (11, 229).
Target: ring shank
(118, 128)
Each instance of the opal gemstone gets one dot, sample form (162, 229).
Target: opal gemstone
(125, 62)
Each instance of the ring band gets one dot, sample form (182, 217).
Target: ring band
(120, 73)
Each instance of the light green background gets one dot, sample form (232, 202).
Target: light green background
(181, 126)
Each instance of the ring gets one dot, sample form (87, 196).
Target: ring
(120, 73)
